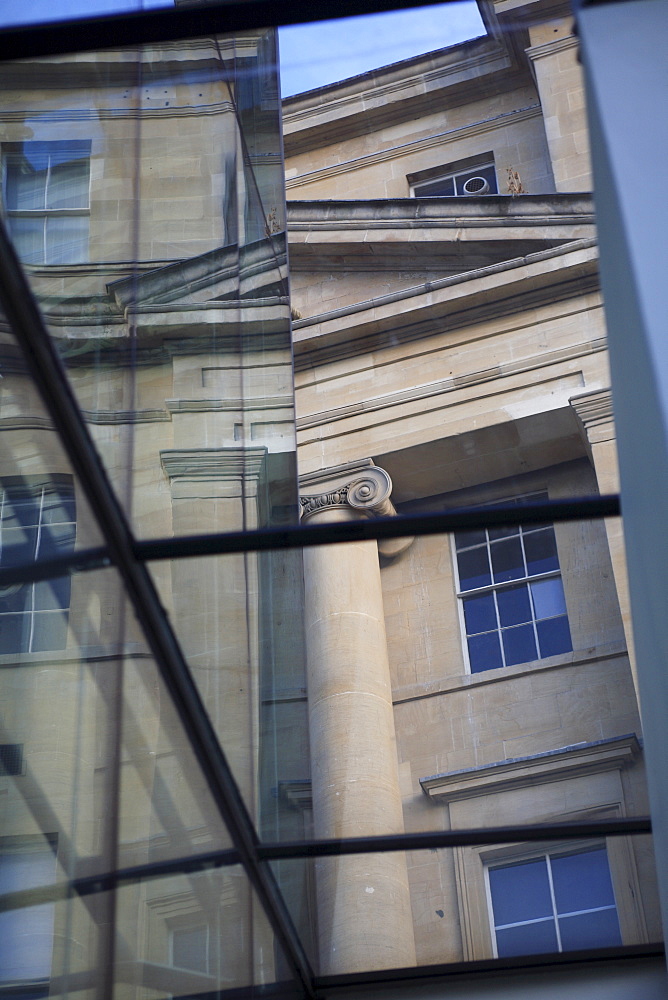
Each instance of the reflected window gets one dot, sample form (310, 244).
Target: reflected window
(554, 902)
(190, 948)
(26, 934)
(512, 595)
(47, 199)
(37, 523)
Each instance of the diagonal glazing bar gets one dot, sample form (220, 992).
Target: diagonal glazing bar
(44, 366)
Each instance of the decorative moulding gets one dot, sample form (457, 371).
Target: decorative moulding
(520, 772)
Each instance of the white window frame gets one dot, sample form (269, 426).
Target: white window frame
(46, 214)
(494, 588)
(536, 855)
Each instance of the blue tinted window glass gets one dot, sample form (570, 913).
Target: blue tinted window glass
(514, 605)
(503, 532)
(548, 597)
(581, 881)
(507, 560)
(529, 939)
(484, 652)
(15, 597)
(14, 632)
(554, 636)
(590, 930)
(519, 644)
(18, 545)
(520, 892)
(540, 548)
(49, 631)
(473, 568)
(479, 613)
(51, 594)
(463, 539)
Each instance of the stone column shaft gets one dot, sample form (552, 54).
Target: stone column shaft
(365, 919)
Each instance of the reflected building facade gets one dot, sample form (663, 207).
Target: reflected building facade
(447, 350)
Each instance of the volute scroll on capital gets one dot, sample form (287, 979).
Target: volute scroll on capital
(368, 493)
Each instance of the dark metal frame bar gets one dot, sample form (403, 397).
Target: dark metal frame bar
(169, 25)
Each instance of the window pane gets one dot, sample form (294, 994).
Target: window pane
(473, 569)
(541, 551)
(464, 539)
(479, 613)
(190, 948)
(14, 633)
(18, 545)
(581, 881)
(26, 181)
(15, 597)
(68, 185)
(514, 605)
(554, 636)
(484, 652)
(529, 939)
(67, 239)
(590, 930)
(445, 187)
(507, 560)
(548, 597)
(52, 594)
(520, 892)
(49, 631)
(519, 644)
(504, 532)
(28, 237)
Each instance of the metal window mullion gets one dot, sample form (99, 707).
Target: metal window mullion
(554, 900)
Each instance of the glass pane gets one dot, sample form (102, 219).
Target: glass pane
(507, 560)
(163, 271)
(463, 539)
(554, 636)
(519, 644)
(473, 569)
(540, 549)
(484, 652)
(581, 881)
(529, 939)
(590, 930)
(514, 605)
(548, 597)
(480, 613)
(520, 892)
(28, 236)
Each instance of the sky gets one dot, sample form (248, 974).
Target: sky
(312, 55)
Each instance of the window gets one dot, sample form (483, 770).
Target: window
(46, 195)
(554, 902)
(190, 948)
(512, 596)
(26, 934)
(471, 180)
(36, 523)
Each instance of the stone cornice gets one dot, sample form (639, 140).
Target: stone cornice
(410, 148)
(552, 48)
(521, 772)
(213, 463)
(593, 408)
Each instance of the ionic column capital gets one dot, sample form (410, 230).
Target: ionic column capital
(366, 489)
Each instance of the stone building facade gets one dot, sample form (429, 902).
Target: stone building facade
(449, 351)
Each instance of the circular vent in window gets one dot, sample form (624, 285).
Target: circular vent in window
(476, 185)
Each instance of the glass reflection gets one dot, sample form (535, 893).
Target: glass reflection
(144, 193)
